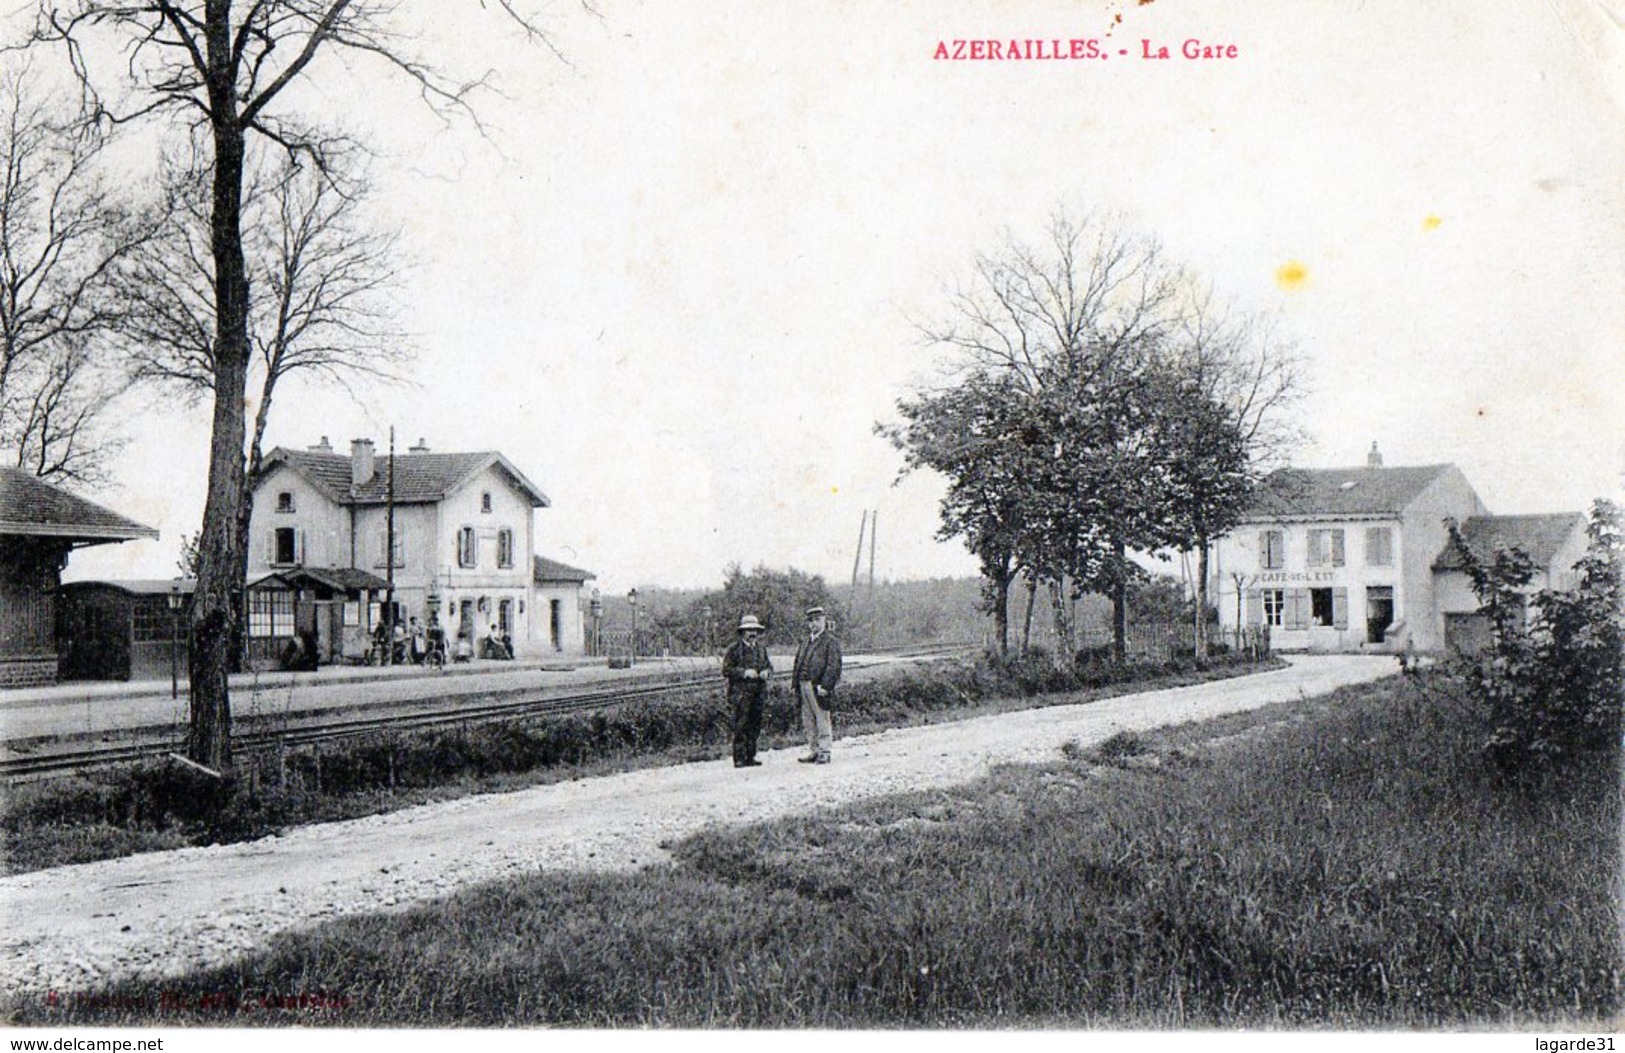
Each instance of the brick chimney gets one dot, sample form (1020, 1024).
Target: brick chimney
(1374, 458)
(421, 447)
(361, 466)
(322, 447)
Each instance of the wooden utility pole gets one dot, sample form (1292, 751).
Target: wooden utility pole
(389, 553)
(857, 557)
(874, 527)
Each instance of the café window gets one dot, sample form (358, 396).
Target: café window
(1272, 549)
(1320, 607)
(1326, 548)
(468, 548)
(505, 547)
(1379, 546)
(1275, 607)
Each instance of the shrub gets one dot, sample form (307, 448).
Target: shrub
(1550, 683)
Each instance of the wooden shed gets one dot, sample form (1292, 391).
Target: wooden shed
(123, 630)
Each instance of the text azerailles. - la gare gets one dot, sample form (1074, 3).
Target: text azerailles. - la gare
(1046, 49)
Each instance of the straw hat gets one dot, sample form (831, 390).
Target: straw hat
(749, 622)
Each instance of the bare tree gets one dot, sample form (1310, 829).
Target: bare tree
(1240, 363)
(1089, 292)
(63, 237)
(224, 69)
(323, 274)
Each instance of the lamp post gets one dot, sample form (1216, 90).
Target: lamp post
(632, 598)
(706, 611)
(175, 599)
(596, 607)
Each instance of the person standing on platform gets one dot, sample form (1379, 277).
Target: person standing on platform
(747, 669)
(817, 671)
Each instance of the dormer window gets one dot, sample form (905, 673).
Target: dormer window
(284, 502)
(485, 501)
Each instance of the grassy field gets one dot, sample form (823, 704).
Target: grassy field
(1338, 862)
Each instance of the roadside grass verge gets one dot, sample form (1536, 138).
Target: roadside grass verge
(1338, 862)
(158, 805)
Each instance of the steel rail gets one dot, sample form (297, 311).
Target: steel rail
(313, 728)
(32, 766)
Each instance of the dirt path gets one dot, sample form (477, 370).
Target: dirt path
(69, 928)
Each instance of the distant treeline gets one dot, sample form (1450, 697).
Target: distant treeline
(889, 615)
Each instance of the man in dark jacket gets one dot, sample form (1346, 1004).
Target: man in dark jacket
(747, 669)
(817, 671)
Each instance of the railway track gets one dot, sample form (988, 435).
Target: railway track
(25, 767)
(31, 762)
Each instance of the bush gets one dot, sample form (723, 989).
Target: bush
(1550, 683)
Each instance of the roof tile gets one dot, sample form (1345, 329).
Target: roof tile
(32, 506)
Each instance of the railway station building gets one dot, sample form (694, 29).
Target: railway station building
(463, 539)
(1359, 559)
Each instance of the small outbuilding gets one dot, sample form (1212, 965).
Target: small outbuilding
(123, 630)
(1554, 543)
(40, 525)
(558, 625)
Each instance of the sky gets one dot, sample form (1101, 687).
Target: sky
(677, 279)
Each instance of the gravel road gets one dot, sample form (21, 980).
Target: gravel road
(70, 928)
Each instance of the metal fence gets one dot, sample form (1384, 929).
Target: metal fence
(1167, 641)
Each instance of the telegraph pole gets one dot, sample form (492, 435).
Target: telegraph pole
(874, 527)
(389, 553)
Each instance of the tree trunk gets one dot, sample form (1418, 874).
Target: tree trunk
(245, 515)
(996, 577)
(1027, 620)
(1120, 604)
(218, 592)
(1001, 612)
(1065, 641)
(1201, 596)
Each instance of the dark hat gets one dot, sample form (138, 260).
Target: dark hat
(815, 612)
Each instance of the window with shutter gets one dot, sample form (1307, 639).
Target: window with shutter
(1340, 608)
(1255, 607)
(1275, 607)
(285, 546)
(1297, 608)
(1326, 548)
(1272, 549)
(399, 546)
(1379, 547)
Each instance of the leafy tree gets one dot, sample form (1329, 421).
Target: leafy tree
(1102, 411)
(978, 436)
(778, 598)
